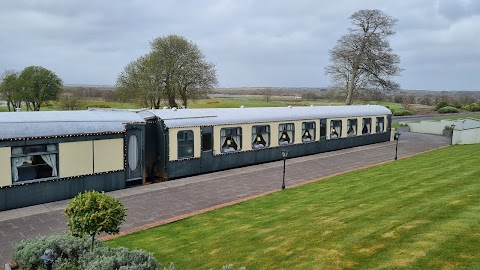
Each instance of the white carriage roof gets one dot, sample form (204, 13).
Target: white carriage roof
(59, 123)
(204, 117)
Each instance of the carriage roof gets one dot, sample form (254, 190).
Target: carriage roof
(58, 123)
(205, 117)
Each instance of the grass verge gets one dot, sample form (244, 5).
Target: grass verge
(416, 213)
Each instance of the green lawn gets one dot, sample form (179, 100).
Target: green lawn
(255, 101)
(416, 213)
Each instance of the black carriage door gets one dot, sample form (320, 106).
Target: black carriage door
(134, 154)
(207, 149)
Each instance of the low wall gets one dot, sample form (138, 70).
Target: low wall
(431, 127)
(467, 136)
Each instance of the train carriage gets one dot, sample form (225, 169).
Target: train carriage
(49, 156)
(195, 141)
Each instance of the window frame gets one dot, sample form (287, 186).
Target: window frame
(286, 129)
(354, 128)
(312, 134)
(332, 127)
(229, 133)
(34, 156)
(377, 128)
(185, 142)
(210, 138)
(133, 146)
(367, 124)
(266, 138)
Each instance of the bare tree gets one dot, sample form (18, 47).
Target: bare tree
(267, 94)
(363, 59)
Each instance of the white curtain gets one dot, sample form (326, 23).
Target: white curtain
(16, 162)
(51, 159)
(132, 152)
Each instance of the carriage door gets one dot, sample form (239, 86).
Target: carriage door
(207, 149)
(134, 155)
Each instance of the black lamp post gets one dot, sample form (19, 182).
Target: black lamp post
(284, 155)
(397, 138)
(451, 139)
(48, 258)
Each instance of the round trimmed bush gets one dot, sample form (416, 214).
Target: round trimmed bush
(441, 105)
(402, 112)
(448, 109)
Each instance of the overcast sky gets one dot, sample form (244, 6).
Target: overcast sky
(252, 43)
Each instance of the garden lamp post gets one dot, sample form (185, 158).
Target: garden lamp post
(451, 139)
(397, 138)
(284, 155)
(48, 258)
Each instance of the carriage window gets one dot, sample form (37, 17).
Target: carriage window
(206, 141)
(185, 144)
(308, 131)
(286, 133)
(367, 125)
(133, 152)
(323, 128)
(261, 136)
(380, 124)
(34, 162)
(335, 129)
(231, 139)
(352, 127)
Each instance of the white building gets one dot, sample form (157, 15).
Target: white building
(465, 131)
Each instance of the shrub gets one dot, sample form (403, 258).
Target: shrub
(98, 105)
(403, 125)
(118, 258)
(474, 107)
(92, 212)
(441, 105)
(402, 112)
(68, 250)
(447, 127)
(69, 102)
(72, 253)
(448, 109)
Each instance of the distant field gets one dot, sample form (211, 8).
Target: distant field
(415, 213)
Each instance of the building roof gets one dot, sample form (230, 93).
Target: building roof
(59, 123)
(204, 117)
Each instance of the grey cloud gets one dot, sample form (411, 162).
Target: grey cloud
(252, 43)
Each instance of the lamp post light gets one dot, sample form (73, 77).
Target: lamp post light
(48, 258)
(451, 139)
(397, 138)
(284, 155)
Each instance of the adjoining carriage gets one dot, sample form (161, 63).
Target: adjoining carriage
(49, 156)
(195, 141)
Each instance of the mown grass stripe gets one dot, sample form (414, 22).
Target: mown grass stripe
(415, 213)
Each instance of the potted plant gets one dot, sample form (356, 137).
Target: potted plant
(447, 131)
(403, 127)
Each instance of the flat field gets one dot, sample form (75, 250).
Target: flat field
(421, 212)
